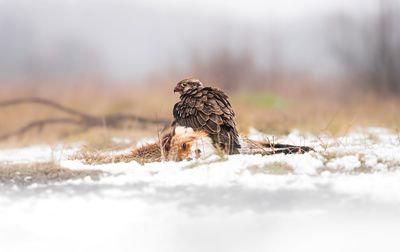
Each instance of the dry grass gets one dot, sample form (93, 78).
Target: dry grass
(318, 115)
(277, 168)
(145, 154)
(273, 113)
(42, 173)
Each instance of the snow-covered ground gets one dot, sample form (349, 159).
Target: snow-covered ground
(345, 196)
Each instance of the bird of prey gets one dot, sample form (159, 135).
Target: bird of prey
(207, 109)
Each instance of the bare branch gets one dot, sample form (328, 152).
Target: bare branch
(78, 118)
(38, 124)
(115, 120)
(44, 102)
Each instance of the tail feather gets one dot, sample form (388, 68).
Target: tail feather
(227, 141)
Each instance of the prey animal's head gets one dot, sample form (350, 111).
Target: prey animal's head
(188, 144)
(187, 84)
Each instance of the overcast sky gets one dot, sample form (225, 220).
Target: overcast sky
(261, 9)
(238, 9)
(133, 38)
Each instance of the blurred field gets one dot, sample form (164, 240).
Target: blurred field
(269, 111)
(42, 173)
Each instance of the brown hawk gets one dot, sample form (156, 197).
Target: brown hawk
(208, 109)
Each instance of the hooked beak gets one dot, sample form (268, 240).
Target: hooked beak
(178, 89)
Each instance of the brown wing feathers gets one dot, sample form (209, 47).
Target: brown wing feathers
(209, 109)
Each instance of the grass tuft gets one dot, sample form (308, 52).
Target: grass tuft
(42, 173)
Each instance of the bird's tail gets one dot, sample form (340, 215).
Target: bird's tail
(227, 142)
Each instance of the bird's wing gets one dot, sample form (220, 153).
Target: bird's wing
(205, 108)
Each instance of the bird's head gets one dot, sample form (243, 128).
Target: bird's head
(187, 84)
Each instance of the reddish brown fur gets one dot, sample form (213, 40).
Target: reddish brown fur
(181, 145)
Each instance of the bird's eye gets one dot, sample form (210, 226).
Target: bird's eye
(184, 146)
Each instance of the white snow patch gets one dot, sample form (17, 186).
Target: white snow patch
(36, 153)
(121, 140)
(346, 163)
(235, 203)
(144, 141)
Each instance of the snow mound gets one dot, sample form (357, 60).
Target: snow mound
(348, 190)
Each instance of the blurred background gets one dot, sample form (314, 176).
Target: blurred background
(313, 65)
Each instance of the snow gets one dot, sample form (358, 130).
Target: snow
(347, 163)
(345, 196)
(37, 153)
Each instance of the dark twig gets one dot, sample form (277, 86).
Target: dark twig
(77, 117)
(269, 148)
(44, 102)
(39, 124)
